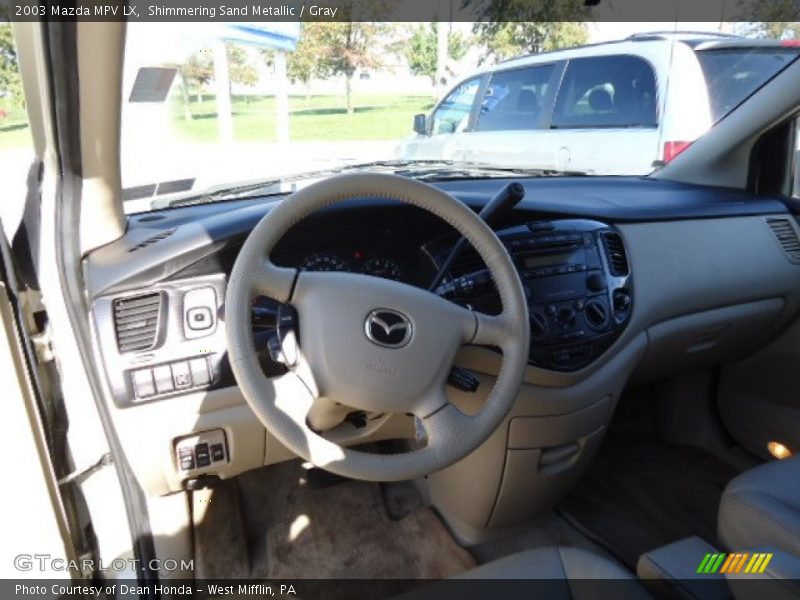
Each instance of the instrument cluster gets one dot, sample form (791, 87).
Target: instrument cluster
(357, 261)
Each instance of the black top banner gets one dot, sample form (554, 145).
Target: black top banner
(205, 11)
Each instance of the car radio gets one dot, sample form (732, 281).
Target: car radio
(576, 278)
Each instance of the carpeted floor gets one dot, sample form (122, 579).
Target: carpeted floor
(271, 524)
(639, 494)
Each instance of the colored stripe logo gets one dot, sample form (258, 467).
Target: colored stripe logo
(735, 562)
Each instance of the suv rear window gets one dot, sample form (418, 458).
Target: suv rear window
(607, 91)
(732, 74)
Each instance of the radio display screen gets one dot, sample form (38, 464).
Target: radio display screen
(548, 260)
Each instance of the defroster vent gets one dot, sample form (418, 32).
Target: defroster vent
(136, 321)
(615, 254)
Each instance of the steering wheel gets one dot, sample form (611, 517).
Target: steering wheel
(373, 344)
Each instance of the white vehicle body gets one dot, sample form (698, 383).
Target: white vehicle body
(613, 108)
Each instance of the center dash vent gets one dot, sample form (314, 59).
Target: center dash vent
(787, 237)
(615, 254)
(136, 321)
(152, 240)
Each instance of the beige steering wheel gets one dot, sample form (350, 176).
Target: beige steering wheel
(373, 344)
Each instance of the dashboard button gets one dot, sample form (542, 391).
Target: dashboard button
(217, 452)
(186, 459)
(199, 370)
(163, 377)
(143, 383)
(199, 318)
(181, 376)
(202, 456)
(199, 312)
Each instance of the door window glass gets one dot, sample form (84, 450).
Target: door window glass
(514, 99)
(607, 91)
(452, 116)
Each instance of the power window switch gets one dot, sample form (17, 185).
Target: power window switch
(181, 376)
(163, 377)
(217, 452)
(199, 369)
(186, 459)
(143, 383)
(202, 456)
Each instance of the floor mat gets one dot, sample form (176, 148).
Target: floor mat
(639, 494)
(548, 530)
(291, 530)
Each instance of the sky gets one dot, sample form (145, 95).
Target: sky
(606, 31)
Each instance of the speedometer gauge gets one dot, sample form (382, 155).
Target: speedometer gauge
(381, 267)
(323, 261)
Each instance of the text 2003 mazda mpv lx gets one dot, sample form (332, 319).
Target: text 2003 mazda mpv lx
(397, 373)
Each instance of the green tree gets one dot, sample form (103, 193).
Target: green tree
(240, 70)
(198, 71)
(10, 81)
(420, 49)
(777, 19)
(512, 27)
(345, 47)
(303, 64)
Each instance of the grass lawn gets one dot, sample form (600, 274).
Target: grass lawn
(14, 127)
(316, 118)
(321, 118)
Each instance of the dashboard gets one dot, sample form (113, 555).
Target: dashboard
(158, 293)
(625, 279)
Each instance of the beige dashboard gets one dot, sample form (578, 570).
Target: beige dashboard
(707, 291)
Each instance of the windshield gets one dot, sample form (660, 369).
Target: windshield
(209, 113)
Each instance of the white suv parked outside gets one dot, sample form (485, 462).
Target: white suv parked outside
(613, 108)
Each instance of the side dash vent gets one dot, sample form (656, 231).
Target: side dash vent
(161, 235)
(615, 254)
(136, 321)
(787, 237)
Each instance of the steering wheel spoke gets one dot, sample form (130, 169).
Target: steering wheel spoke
(490, 330)
(273, 281)
(446, 424)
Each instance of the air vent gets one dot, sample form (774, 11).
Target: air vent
(787, 237)
(615, 253)
(136, 321)
(152, 240)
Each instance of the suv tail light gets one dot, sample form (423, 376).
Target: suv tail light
(672, 149)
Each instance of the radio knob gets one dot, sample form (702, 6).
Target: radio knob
(596, 314)
(539, 326)
(596, 282)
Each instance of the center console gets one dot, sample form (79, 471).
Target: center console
(576, 278)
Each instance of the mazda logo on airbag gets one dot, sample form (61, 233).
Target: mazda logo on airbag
(388, 328)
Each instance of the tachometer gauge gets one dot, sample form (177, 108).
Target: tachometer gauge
(323, 261)
(381, 267)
